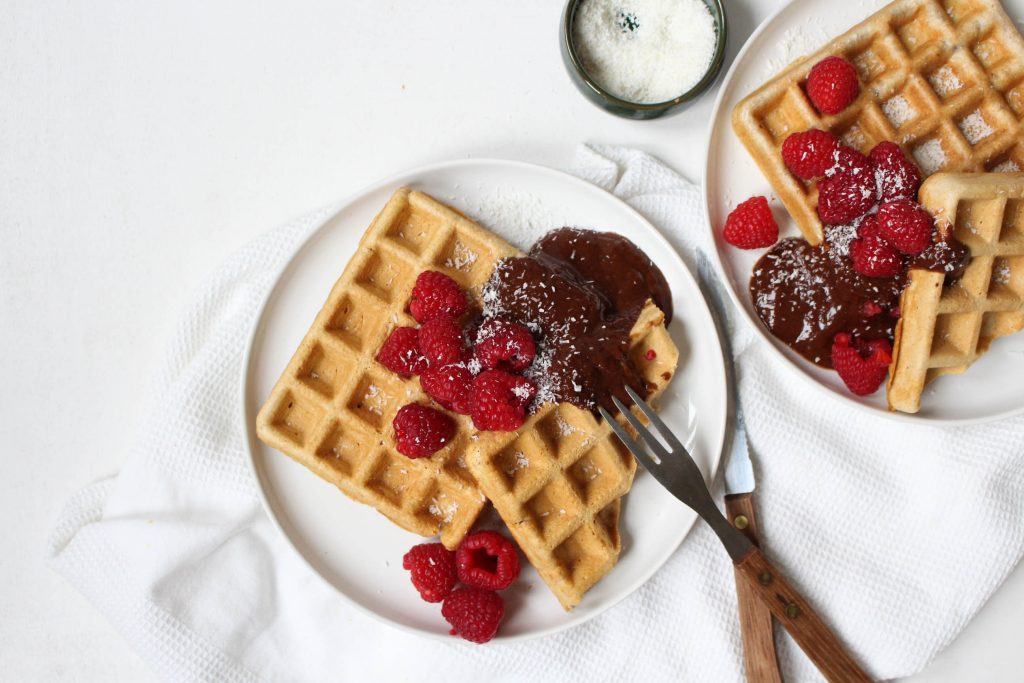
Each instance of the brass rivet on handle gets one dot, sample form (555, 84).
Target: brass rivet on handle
(741, 521)
(792, 610)
(764, 578)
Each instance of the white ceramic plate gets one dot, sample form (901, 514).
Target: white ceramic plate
(357, 550)
(994, 386)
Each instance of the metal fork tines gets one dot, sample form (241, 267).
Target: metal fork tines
(674, 469)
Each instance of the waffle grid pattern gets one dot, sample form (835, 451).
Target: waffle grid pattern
(943, 330)
(332, 408)
(942, 78)
(557, 482)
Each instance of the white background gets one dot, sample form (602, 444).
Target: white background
(140, 143)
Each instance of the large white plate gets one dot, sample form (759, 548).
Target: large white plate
(359, 552)
(994, 386)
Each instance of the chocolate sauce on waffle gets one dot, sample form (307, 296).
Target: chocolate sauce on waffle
(806, 295)
(580, 292)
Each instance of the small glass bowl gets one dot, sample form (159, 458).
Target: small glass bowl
(635, 110)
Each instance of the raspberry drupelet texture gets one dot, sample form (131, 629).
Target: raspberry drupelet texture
(499, 400)
(436, 294)
(504, 343)
(486, 559)
(474, 614)
(906, 225)
(751, 225)
(441, 340)
(863, 366)
(421, 431)
(401, 352)
(810, 153)
(832, 85)
(432, 570)
(449, 385)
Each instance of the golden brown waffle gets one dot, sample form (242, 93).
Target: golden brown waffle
(942, 78)
(332, 408)
(557, 482)
(943, 330)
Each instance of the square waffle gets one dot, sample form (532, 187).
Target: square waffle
(943, 330)
(331, 409)
(558, 481)
(944, 79)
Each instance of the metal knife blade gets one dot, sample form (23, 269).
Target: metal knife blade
(739, 472)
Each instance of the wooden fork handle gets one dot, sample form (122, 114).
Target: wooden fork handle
(793, 612)
(756, 626)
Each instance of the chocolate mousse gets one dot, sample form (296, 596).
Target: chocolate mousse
(580, 293)
(805, 295)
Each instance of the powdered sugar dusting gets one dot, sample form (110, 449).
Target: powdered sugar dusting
(898, 110)
(1008, 166)
(930, 156)
(1001, 274)
(944, 81)
(975, 128)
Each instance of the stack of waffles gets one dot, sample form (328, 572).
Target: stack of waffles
(944, 79)
(556, 482)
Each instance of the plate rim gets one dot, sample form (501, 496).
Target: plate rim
(405, 177)
(795, 365)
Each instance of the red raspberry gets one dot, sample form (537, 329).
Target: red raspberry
(401, 352)
(896, 176)
(863, 372)
(500, 342)
(848, 159)
(441, 340)
(421, 431)
(487, 560)
(432, 570)
(832, 85)
(810, 153)
(751, 225)
(499, 401)
(874, 257)
(907, 226)
(449, 385)
(846, 196)
(436, 294)
(473, 613)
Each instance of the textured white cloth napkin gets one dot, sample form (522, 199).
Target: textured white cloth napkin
(897, 533)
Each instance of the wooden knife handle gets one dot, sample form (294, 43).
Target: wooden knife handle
(793, 612)
(756, 625)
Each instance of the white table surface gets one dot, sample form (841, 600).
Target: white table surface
(141, 143)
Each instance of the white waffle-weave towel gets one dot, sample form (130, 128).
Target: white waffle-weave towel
(898, 534)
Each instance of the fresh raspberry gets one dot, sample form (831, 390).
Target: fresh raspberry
(873, 256)
(501, 342)
(449, 385)
(832, 85)
(487, 560)
(441, 340)
(751, 225)
(436, 294)
(474, 614)
(847, 158)
(845, 196)
(401, 352)
(432, 570)
(499, 401)
(863, 372)
(421, 431)
(896, 176)
(907, 226)
(810, 153)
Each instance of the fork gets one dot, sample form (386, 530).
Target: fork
(676, 471)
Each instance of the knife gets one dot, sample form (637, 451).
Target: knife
(756, 625)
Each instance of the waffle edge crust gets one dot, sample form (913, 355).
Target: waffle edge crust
(944, 329)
